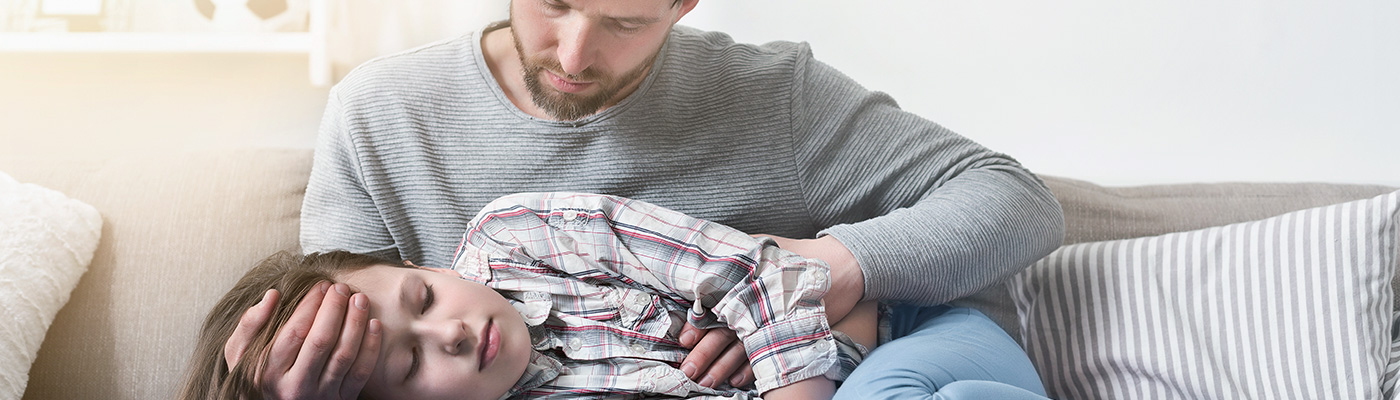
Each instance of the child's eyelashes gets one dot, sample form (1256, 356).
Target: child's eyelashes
(428, 298)
(412, 365)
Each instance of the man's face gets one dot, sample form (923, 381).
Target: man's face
(580, 56)
(443, 337)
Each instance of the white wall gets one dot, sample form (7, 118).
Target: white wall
(1108, 91)
(1124, 92)
(96, 105)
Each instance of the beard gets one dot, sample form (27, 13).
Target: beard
(570, 106)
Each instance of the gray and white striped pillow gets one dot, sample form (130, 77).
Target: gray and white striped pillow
(1296, 306)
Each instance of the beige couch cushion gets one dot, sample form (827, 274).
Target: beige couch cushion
(179, 230)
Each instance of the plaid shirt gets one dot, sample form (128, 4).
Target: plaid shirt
(606, 283)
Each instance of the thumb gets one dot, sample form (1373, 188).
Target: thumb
(248, 327)
(690, 335)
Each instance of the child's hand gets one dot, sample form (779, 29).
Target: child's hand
(312, 356)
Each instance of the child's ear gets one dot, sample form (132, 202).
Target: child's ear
(430, 269)
(444, 271)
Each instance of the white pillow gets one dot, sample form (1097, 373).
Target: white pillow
(46, 243)
(1296, 306)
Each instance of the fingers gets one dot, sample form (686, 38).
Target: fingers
(744, 377)
(290, 337)
(731, 367)
(352, 363)
(712, 344)
(347, 349)
(248, 327)
(323, 336)
(690, 335)
(716, 356)
(364, 363)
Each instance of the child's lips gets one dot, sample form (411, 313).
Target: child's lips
(490, 344)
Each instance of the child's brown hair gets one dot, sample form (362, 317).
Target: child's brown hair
(209, 376)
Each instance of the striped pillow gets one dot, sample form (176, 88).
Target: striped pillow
(1296, 306)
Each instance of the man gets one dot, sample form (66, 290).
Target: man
(612, 97)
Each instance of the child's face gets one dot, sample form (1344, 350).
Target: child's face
(443, 336)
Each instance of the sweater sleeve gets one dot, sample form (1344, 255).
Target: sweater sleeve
(338, 212)
(769, 297)
(931, 216)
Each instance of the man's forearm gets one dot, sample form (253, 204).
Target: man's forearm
(972, 232)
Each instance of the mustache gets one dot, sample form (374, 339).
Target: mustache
(535, 65)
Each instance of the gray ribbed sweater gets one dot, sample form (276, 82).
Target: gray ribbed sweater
(762, 138)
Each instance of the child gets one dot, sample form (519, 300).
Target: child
(562, 294)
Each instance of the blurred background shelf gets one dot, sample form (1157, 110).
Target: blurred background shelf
(133, 42)
(178, 28)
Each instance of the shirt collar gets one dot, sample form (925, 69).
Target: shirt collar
(541, 369)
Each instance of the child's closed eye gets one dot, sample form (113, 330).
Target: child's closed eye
(428, 298)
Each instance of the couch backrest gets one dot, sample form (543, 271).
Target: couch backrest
(1095, 213)
(178, 231)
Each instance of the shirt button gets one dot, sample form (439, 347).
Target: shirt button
(639, 303)
(570, 215)
(816, 277)
(639, 349)
(575, 344)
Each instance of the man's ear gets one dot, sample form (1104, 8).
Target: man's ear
(686, 6)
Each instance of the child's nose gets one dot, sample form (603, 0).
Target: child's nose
(451, 334)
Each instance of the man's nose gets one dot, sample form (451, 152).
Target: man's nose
(576, 46)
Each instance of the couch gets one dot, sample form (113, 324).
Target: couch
(179, 229)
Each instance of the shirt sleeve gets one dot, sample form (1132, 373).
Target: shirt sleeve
(930, 215)
(770, 297)
(338, 212)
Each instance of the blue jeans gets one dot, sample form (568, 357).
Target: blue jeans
(944, 352)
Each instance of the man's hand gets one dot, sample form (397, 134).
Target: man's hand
(847, 281)
(326, 350)
(716, 355)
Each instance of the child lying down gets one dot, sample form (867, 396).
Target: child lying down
(583, 295)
